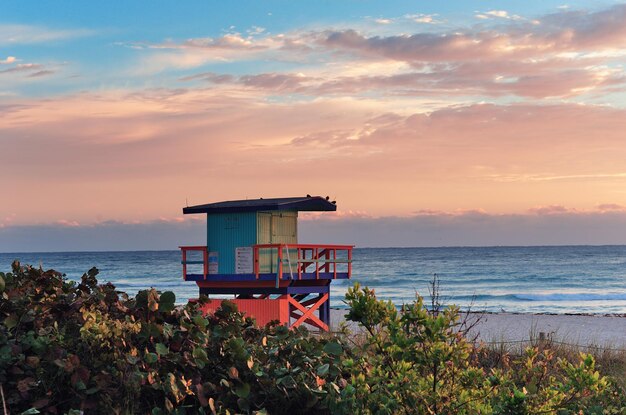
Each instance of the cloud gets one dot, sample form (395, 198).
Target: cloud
(550, 210)
(561, 55)
(13, 34)
(226, 42)
(26, 70)
(608, 207)
(465, 79)
(105, 236)
(423, 18)
(255, 30)
(336, 215)
(68, 223)
(22, 67)
(39, 74)
(138, 147)
(566, 227)
(274, 83)
(383, 21)
(195, 52)
(559, 32)
(501, 14)
(410, 18)
(9, 59)
(565, 177)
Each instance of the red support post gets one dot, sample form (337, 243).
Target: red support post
(205, 260)
(184, 264)
(349, 262)
(280, 262)
(317, 264)
(327, 257)
(255, 249)
(298, 265)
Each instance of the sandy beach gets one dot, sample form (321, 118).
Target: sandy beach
(584, 330)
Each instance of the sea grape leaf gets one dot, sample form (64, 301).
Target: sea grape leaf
(168, 330)
(132, 359)
(168, 297)
(323, 369)
(162, 349)
(287, 381)
(93, 390)
(142, 298)
(333, 348)
(200, 321)
(243, 390)
(199, 354)
(11, 321)
(166, 307)
(2, 283)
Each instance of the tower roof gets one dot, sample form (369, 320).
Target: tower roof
(306, 203)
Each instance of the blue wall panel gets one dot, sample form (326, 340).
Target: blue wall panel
(227, 231)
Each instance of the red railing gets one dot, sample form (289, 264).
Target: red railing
(307, 259)
(204, 262)
(322, 257)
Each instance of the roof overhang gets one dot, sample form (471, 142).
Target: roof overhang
(304, 204)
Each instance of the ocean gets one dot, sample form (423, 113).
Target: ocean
(543, 279)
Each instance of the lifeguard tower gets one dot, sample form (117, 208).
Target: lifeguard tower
(253, 253)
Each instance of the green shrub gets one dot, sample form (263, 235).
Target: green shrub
(415, 361)
(68, 347)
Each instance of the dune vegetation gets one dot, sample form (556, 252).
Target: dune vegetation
(82, 347)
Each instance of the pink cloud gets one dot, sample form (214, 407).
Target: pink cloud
(40, 74)
(14, 34)
(337, 215)
(550, 210)
(611, 207)
(67, 223)
(155, 149)
(559, 32)
(565, 54)
(380, 121)
(385, 231)
(539, 82)
(22, 67)
(228, 41)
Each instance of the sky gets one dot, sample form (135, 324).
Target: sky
(431, 123)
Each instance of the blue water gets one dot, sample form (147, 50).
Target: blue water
(558, 279)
